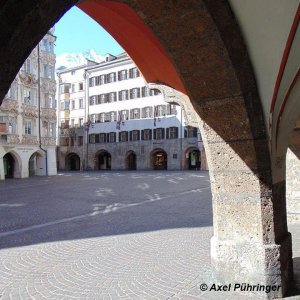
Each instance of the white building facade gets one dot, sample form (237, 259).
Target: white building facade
(110, 119)
(28, 117)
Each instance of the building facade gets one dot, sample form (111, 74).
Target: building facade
(110, 119)
(28, 117)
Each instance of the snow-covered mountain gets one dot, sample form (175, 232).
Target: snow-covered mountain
(70, 60)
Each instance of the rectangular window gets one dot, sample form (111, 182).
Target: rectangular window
(80, 103)
(122, 75)
(29, 96)
(80, 122)
(27, 66)
(123, 136)
(135, 135)
(190, 132)
(72, 123)
(92, 81)
(102, 138)
(92, 100)
(112, 137)
(112, 97)
(97, 138)
(134, 93)
(73, 88)
(147, 112)
(80, 140)
(92, 139)
(80, 86)
(73, 104)
(28, 127)
(123, 95)
(171, 109)
(102, 79)
(113, 116)
(111, 77)
(134, 73)
(102, 117)
(134, 113)
(159, 133)
(52, 132)
(146, 134)
(145, 91)
(125, 114)
(172, 133)
(160, 110)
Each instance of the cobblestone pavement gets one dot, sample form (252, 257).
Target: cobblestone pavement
(107, 235)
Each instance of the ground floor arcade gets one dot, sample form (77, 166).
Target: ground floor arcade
(25, 161)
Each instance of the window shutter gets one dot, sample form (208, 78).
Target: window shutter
(176, 132)
(97, 138)
(126, 74)
(173, 111)
(119, 136)
(90, 82)
(126, 136)
(144, 112)
(150, 134)
(120, 96)
(106, 78)
(115, 136)
(168, 133)
(119, 75)
(138, 135)
(115, 96)
(138, 92)
(131, 93)
(164, 109)
(163, 133)
(143, 91)
(130, 73)
(137, 73)
(131, 114)
(107, 138)
(154, 134)
(142, 134)
(130, 135)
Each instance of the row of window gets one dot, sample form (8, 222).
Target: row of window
(113, 76)
(47, 71)
(134, 135)
(123, 95)
(134, 114)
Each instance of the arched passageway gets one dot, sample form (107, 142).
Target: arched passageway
(191, 48)
(9, 165)
(36, 164)
(131, 161)
(193, 159)
(103, 160)
(159, 159)
(72, 162)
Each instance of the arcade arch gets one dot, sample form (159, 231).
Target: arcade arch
(103, 160)
(72, 162)
(131, 160)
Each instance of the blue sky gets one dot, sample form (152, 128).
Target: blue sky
(77, 32)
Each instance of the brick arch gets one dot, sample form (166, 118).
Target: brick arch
(202, 41)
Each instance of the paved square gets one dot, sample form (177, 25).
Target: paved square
(107, 235)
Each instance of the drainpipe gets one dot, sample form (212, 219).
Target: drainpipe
(39, 109)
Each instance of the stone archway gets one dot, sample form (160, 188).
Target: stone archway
(9, 165)
(37, 164)
(131, 160)
(72, 162)
(159, 159)
(103, 160)
(12, 165)
(192, 159)
(202, 41)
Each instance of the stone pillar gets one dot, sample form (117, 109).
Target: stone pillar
(51, 160)
(250, 244)
(2, 177)
(292, 186)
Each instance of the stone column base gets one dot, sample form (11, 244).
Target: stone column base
(253, 263)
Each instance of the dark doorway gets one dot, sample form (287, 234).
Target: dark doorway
(73, 162)
(104, 161)
(194, 160)
(131, 161)
(9, 165)
(160, 160)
